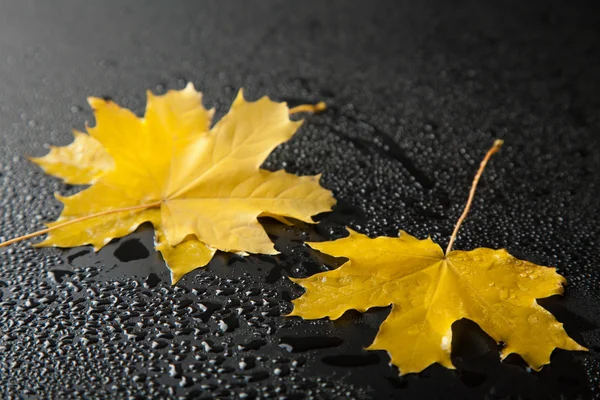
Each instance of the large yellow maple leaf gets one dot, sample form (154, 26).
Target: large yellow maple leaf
(429, 290)
(201, 188)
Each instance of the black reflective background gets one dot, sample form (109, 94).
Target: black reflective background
(417, 92)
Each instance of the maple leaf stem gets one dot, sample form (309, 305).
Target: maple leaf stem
(311, 108)
(80, 219)
(495, 148)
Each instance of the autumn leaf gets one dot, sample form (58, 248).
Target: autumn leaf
(201, 188)
(429, 290)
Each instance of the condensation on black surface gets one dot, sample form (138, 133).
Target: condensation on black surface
(417, 93)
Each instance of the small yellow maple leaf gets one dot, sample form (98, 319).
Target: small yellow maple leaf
(429, 290)
(201, 188)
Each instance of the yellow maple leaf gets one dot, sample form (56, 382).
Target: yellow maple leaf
(429, 290)
(201, 188)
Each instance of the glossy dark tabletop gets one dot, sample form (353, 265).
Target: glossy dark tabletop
(417, 92)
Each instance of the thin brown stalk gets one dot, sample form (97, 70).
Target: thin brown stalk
(495, 148)
(310, 108)
(80, 219)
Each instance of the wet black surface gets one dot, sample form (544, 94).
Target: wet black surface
(417, 93)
